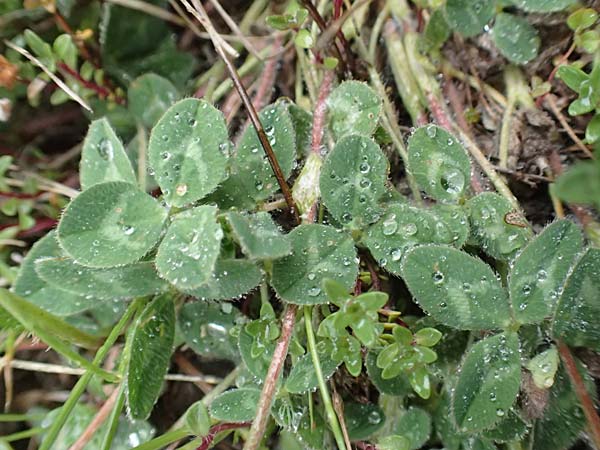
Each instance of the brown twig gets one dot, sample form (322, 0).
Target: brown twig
(97, 421)
(200, 14)
(550, 101)
(583, 395)
(188, 368)
(266, 398)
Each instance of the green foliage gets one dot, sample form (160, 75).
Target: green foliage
(439, 163)
(302, 377)
(353, 180)
(150, 352)
(318, 252)
(580, 184)
(110, 224)
(393, 386)
(540, 270)
(516, 39)
(362, 420)
(258, 236)
(188, 253)
(488, 382)
(353, 108)
(576, 318)
(188, 151)
(237, 405)
(495, 227)
(103, 157)
(197, 419)
(543, 5)
(455, 288)
(149, 96)
(469, 17)
(414, 425)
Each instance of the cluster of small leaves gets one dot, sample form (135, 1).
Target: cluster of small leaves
(513, 35)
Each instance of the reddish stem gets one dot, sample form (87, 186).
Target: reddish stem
(365, 445)
(209, 438)
(41, 224)
(586, 401)
(100, 90)
(337, 9)
(438, 112)
(320, 111)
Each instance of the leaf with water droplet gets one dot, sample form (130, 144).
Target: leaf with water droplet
(236, 405)
(150, 352)
(318, 250)
(543, 368)
(362, 420)
(439, 163)
(197, 419)
(456, 224)
(231, 278)
(494, 229)
(469, 17)
(540, 270)
(542, 5)
(103, 157)
(258, 235)
(251, 179)
(188, 253)
(577, 317)
(393, 442)
(511, 428)
(206, 329)
(415, 425)
(393, 386)
(257, 365)
(303, 378)
(353, 108)
(32, 287)
(149, 96)
(135, 280)
(456, 288)
(516, 39)
(185, 151)
(400, 228)
(353, 180)
(110, 224)
(488, 382)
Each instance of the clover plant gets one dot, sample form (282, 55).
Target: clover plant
(493, 300)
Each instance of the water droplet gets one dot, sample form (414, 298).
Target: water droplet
(500, 412)
(389, 226)
(181, 189)
(452, 180)
(314, 291)
(364, 167)
(438, 277)
(396, 254)
(311, 276)
(431, 131)
(128, 230)
(105, 150)
(526, 289)
(409, 229)
(542, 275)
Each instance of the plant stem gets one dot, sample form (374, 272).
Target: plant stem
(113, 421)
(82, 383)
(583, 395)
(329, 410)
(268, 392)
(164, 439)
(22, 435)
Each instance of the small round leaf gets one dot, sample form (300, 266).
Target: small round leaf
(237, 405)
(110, 224)
(516, 39)
(149, 96)
(353, 108)
(230, 279)
(469, 17)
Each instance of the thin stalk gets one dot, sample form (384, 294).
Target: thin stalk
(82, 383)
(142, 152)
(113, 420)
(20, 417)
(22, 435)
(164, 439)
(329, 410)
(587, 404)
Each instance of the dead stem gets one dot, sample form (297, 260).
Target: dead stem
(551, 102)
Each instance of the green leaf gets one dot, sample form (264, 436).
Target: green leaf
(230, 279)
(187, 151)
(577, 318)
(258, 235)
(197, 419)
(41, 49)
(258, 366)
(394, 386)
(362, 420)
(582, 18)
(151, 346)
(495, 227)
(206, 328)
(437, 30)
(103, 157)
(304, 39)
(511, 428)
(237, 405)
(439, 163)
(38, 321)
(393, 443)
(563, 420)
(543, 5)
(188, 253)
(66, 50)
(455, 288)
(110, 224)
(303, 378)
(415, 425)
(540, 270)
(516, 39)
(572, 76)
(29, 285)
(592, 131)
(318, 252)
(580, 184)
(456, 221)
(401, 228)
(353, 180)
(488, 382)
(149, 96)
(427, 337)
(469, 17)
(420, 382)
(543, 368)
(135, 280)
(353, 108)
(252, 178)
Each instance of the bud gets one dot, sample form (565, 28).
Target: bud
(306, 189)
